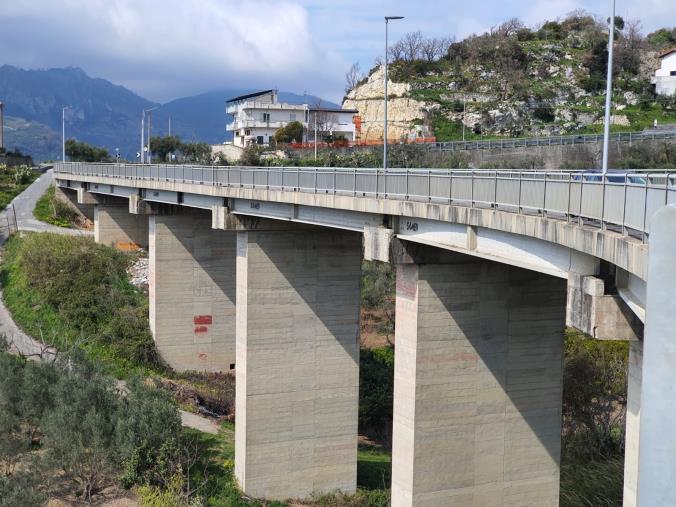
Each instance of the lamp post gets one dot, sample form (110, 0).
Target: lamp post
(143, 144)
(315, 135)
(609, 87)
(387, 22)
(63, 133)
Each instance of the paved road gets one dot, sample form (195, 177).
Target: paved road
(24, 204)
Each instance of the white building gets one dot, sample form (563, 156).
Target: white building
(665, 77)
(257, 116)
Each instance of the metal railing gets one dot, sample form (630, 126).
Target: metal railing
(521, 142)
(622, 201)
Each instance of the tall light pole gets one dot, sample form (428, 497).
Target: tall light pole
(315, 135)
(609, 87)
(387, 22)
(143, 121)
(63, 133)
(2, 124)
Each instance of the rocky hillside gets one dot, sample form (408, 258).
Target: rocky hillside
(516, 81)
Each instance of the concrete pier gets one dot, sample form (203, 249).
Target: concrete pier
(115, 226)
(478, 384)
(657, 439)
(633, 423)
(192, 291)
(297, 362)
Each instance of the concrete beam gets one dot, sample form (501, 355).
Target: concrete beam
(477, 385)
(297, 362)
(602, 316)
(192, 292)
(138, 206)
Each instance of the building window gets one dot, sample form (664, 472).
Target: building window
(292, 117)
(259, 139)
(266, 117)
(247, 132)
(672, 73)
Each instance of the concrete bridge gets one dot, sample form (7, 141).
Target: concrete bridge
(259, 269)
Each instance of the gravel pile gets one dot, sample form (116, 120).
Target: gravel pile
(139, 274)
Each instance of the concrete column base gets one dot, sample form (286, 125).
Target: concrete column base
(478, 385)
(115, 226)
(297, 362)
(192, 292)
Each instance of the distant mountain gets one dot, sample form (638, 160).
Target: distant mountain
(103, 113)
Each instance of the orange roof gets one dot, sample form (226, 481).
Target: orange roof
(667, 53)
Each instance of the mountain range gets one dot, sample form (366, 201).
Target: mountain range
(104, 114)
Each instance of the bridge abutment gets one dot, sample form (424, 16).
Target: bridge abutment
(115, 226)
(297, 361)
(478, 384)
(192, 291)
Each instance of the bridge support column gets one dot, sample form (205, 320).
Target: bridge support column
(477, 384)
(633, 423)
(657, 439)
(115, 226)
(297, 362)
(192, 291)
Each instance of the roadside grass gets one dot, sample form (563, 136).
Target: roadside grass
(52, 211)
(11, 185)
(374, 468)
(72, 293)
(592, 483)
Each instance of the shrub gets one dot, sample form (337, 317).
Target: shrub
(71, 289)
(54, 211)
(376, 389)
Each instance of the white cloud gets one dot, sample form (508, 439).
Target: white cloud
(231, 42)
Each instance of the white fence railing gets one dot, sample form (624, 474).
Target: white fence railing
(623, 201)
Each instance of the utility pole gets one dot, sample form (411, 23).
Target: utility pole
(170, 126)
(2, 125)
(609, 87)
(315, 135)
(387, 22)
(150, 156)
(143, 128)
(464, 112)
(63, 133)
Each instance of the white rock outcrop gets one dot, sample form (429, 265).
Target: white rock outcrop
(402, 111)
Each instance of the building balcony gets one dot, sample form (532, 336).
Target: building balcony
(249, 124)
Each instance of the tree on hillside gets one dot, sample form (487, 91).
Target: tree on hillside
(352, 77)
(196, 152)
(291, 132)
(163, 146)
(82, 152)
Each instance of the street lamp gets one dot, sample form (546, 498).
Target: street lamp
(63, 133)
(143, 144)
(387, 22)
(609, 87)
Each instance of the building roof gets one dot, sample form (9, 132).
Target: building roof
(249, 96)
(332, 110)
(666, 53)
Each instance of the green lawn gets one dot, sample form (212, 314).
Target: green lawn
(48, 209)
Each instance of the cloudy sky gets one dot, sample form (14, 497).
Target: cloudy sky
(164, 49)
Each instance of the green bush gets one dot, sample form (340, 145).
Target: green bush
(71, 290)
(376, 391)
(54, 211)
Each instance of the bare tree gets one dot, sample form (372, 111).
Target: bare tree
(396, 51)
(412, 42)
(510, 27)
(352, 77)
(434, 48)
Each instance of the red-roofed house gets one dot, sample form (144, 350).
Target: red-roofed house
(665, 77)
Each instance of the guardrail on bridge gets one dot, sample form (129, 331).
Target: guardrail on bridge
(622, 201)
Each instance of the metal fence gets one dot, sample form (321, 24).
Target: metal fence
(622, 201)
(624, 137)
